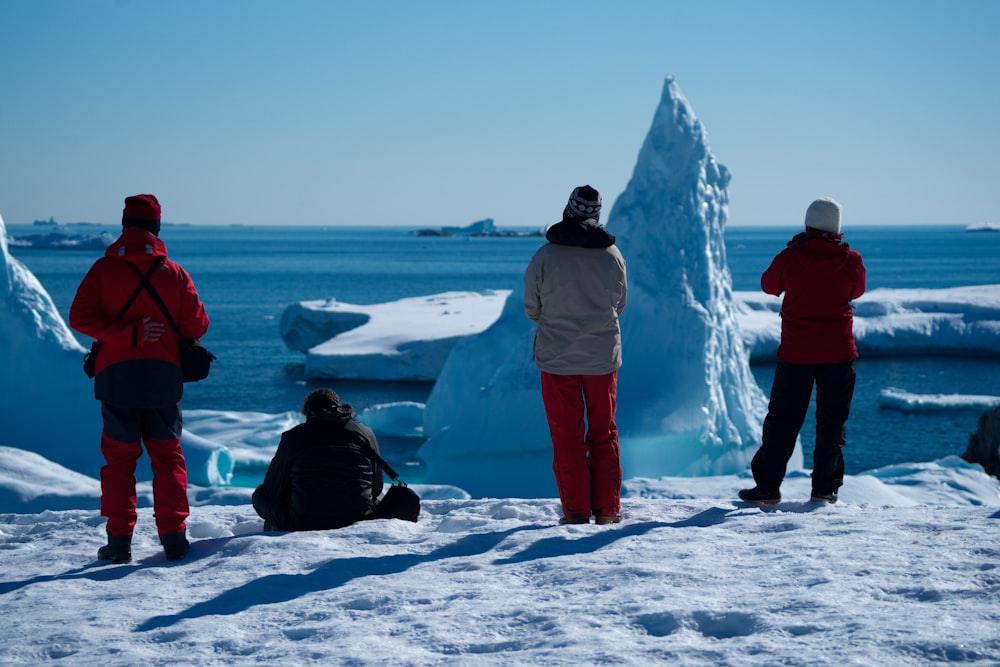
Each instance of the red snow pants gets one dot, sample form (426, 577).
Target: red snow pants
(159, 429)
(586, 459)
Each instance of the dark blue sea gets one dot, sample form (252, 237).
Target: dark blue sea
(248, 275)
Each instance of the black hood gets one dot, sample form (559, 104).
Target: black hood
(340, 414)
(813, 234)
(580, 233)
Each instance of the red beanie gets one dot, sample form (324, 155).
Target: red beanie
(142, 211)
(144, 207)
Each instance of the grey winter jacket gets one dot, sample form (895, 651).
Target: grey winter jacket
(574, 289)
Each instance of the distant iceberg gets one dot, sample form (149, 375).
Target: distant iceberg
(480, 227)
(61, 237)
(985, 227)
(485, 227)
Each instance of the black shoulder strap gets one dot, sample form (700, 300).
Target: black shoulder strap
(381, 462)
(144, 283)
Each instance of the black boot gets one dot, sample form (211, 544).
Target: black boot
(117, 550)
(175, 545)
(760, 496)
(823, 497)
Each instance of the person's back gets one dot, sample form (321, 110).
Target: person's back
(129, 371)
(138, 377)
(321, 476)
(332, 478)
(579, 276)
(819, 275)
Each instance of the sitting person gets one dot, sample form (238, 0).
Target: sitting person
(321, 477)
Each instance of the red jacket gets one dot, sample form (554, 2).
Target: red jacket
(131, 373)
(820, 275)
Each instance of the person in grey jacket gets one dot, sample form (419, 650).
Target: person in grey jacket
(574, 289)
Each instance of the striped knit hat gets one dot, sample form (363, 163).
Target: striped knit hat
(584, 203)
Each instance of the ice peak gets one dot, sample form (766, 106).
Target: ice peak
(686, 369)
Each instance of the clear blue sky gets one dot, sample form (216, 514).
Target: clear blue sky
(444, 112)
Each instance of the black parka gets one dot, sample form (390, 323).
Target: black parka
(321, 477)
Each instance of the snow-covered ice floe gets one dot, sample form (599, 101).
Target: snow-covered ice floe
(404, 340)
(892, 398)
(954, 321)
(958, 321)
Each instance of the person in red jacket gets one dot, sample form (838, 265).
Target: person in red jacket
(819, 275)
(138, 376)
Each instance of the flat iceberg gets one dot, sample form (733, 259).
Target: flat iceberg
(960, 321)
(405, 340)
(63, 240)
(892, 398)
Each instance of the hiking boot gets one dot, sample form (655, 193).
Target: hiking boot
(117, 550)
(605, 519)
(829, 497)
(175, 545)
(758, 496)
(574, 520)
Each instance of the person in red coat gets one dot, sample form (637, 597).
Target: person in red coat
(138, 376)
(820, 275)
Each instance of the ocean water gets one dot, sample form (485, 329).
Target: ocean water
(248, 275)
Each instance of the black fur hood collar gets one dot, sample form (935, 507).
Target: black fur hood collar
(580, 233)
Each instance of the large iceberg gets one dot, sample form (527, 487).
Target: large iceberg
(687, 401)
(47, 404)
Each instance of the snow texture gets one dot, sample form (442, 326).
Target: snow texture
(686, 579)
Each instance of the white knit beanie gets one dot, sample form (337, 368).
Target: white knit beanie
(824, 214)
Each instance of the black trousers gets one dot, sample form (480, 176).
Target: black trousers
(786, 411)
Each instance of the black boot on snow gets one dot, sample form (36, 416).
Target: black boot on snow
(759, 496)
(117, 550)
(175, 545)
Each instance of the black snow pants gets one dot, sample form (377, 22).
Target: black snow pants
(786, 411)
